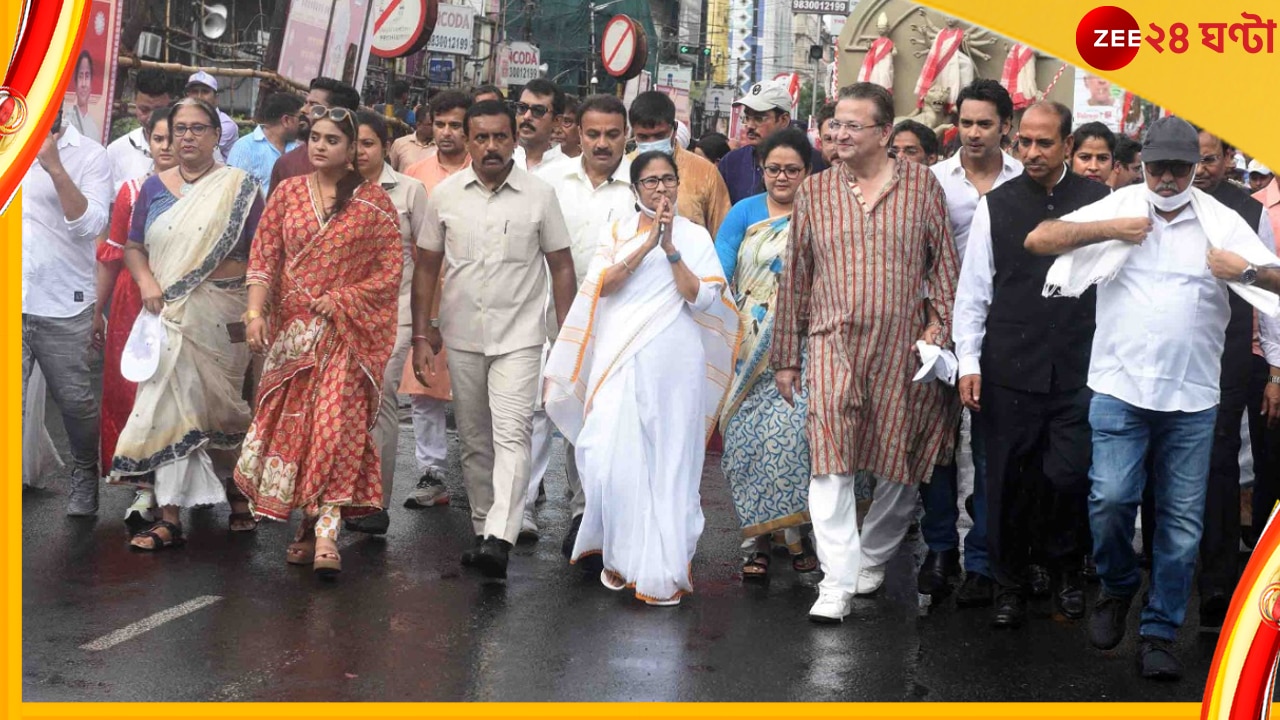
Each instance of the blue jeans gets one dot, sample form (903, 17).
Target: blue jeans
(941, 514)
(1181, 443)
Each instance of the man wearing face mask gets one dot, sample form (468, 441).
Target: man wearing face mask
(1154, 370)
(594, 190)
(704, 199)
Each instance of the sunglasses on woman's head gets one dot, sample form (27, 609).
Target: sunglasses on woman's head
(337, 115)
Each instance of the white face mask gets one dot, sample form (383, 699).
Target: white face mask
(1171, 203)
(659, 145)
(648, 211)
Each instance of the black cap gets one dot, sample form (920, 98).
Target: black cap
(1171, 139)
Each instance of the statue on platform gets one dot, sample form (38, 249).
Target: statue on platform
(933, 114)
(948, 62)
(877, 66)
(1019, 76)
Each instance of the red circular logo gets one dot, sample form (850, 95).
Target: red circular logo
(1108, 37)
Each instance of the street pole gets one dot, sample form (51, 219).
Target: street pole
(813, 95)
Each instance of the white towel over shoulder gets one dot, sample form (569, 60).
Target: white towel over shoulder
(1074, 272)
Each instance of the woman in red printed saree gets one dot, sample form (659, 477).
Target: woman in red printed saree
(327, 256)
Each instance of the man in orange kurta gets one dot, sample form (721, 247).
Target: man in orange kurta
(428, 401)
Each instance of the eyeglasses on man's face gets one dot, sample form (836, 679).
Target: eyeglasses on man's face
(853, 127)
(520, 108)
(1173, 167)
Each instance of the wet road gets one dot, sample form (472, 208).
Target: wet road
(226, 619)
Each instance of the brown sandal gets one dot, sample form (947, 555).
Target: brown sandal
(247, 522)
(805, 561)
(327, 563)
(300, 553)
(756, 567)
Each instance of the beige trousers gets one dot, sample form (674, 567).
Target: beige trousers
(493, 401)
(386, 432)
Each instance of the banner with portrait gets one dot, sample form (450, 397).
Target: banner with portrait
(91, 90)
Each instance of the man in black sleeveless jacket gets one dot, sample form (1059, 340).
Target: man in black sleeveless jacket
(1024, 361)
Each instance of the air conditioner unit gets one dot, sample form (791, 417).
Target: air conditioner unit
(150, 46)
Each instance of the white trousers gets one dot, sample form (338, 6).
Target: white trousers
(431, 442)
(842, 551)
(543, 436)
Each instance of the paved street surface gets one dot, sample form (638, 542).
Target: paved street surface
(226, 619)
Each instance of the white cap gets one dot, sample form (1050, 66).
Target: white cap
(1257, 168)
(141, 356)
(766, 96)
(1240, 162)
(201, 77)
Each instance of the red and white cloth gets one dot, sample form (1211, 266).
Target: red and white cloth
(946, 65)
(1019, 75)
(877, 66)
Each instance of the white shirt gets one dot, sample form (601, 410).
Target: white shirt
(57, 253)
(130, 157)
(588, 210)
(962, 196)
(521, 158)
(1161, 321)
(410, 198)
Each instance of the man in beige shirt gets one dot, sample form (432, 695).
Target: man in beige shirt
(704, 199)
(418, 145)
(497, 230)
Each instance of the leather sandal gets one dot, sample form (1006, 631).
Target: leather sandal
(158, 542)
(806, 560)
(248, 523)
(327, 563)
(756, 567)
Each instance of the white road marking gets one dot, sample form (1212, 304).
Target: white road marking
(129, 632)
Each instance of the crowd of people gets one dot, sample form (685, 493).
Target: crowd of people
(1103, 309)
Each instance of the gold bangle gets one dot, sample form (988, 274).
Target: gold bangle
(250, 315)
(628, 267)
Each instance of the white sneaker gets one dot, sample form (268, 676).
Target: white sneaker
(140, 514)
(870, 579)
(832, 606)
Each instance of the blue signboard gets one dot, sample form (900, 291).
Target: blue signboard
(440, 70)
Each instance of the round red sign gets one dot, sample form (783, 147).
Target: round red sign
(402, 27)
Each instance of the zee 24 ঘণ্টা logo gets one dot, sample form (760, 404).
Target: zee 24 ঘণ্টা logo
(1109, 37)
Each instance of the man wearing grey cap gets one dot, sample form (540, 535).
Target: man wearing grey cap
(202, 86)
(766, 107)
(1164, 255)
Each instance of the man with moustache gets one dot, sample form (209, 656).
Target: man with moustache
(829, 149)
(129, 155)
(538, 113)
(765, 107)
(914, 142)
(866, 237)
(985, 117)
(704, 199)
(1154, 371)
(593, 190)
(497, 230)
(1220, 546)
(324, 93)
(1024, 362)
(1095, 152)
(417, 145)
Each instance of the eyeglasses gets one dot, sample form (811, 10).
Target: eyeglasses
(1210, 159)
(651, 183)
(853, 127)
(196, 129)
(538, 111)
(774, 171)
(337, 115)
(755, 118)
(1173, 167)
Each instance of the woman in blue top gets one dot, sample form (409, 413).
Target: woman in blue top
(766, 451)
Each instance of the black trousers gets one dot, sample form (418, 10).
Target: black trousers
(1220, 545)
(1038, 454)
(1265, 443)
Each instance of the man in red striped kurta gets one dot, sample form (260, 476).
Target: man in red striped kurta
(867, 239)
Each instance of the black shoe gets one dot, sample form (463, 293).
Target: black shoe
(1011, 611)
(975, 592)
(375, 524)
(938, 571)
(566, 548)
(1213, 610)
(1157, 661)
(1090, 570)
(1039, 581)
(491, 558)
(469, 555)
(1108, 623)
(1069, 600)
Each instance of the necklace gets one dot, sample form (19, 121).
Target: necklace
(189, 183)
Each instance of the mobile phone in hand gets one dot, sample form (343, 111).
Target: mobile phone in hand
(236, 331)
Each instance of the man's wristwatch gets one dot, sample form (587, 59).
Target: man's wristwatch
(1249, 276)
(1273, 379)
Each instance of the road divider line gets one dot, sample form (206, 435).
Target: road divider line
(129, 632)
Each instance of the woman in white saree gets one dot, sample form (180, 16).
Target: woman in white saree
(635, 381)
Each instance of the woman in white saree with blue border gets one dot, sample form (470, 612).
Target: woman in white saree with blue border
(636, 380)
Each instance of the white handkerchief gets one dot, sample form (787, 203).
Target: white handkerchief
(936, 363)
(142, 350)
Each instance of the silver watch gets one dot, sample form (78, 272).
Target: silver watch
(1249, 276)
(1273, 379)
(435, 323)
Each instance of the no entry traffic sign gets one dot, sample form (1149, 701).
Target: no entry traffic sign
(624, 50)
